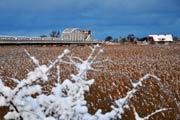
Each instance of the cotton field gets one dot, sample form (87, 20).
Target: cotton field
(91, 83)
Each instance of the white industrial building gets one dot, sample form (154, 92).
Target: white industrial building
(75, 34)
(160, 38)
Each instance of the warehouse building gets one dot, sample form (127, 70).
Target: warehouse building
(167, 38)
(75, 34)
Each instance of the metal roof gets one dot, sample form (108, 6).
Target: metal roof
(70, 30)
(158, 37)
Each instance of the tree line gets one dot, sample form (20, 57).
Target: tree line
(53, 34)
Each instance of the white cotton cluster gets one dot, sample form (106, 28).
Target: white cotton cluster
(66, 101)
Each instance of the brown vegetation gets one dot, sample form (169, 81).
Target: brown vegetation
(121, 65)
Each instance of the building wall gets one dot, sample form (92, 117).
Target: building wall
(159, 38)
(76, 35)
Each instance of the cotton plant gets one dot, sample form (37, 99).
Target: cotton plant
(66, 100)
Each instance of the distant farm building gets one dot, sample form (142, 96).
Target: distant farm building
(167, 38)
(75, 34)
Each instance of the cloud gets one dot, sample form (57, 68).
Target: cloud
(81, 5)
(102, 16)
